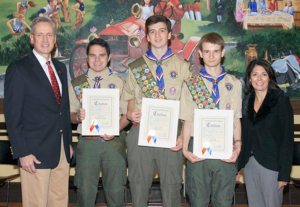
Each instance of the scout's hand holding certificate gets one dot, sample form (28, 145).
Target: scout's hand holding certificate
(213, 133)
(159, 122)
(102, 112)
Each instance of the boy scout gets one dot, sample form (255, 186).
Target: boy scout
(158, 74)
(94, 153)
(211, 179)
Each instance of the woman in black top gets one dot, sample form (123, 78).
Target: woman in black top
(267, 135)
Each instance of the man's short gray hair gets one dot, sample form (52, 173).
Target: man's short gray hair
(42, 19)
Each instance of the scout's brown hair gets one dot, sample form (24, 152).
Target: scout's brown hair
(213, 38)
(156, 19)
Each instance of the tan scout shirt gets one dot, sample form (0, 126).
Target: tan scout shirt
(109, 81)
(230, 89)
(175, 71)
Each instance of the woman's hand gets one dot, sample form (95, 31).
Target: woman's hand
(282, 184)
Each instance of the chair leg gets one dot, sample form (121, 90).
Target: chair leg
(184, 192)
(290, 194)
(125, 196)
(7, 194)
(233, 201)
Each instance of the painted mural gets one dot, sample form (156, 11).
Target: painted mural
(251, 28)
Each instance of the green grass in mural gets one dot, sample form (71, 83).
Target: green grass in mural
(235, 62)
(192, 28)
(10, 8)
(199, 28)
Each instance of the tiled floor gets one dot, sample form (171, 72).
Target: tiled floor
(291, 195)
(103, 205)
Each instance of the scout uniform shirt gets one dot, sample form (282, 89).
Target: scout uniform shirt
(175, 71)
(230, 89)
(108, 80)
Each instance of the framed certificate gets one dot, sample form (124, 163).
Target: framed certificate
(101, 111)
(213, 133)
(159, 122)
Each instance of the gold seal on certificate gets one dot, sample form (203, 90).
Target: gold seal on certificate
(159, 122)
(101, 112)
(213, 133)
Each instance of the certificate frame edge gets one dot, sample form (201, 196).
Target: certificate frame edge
(115, 94)
(174, 121)
(229, 115)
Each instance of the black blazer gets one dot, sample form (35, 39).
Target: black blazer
(268, 134)
(35, 122)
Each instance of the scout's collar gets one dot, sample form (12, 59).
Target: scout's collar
(149, 54)
(104, 73)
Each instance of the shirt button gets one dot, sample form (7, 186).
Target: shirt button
(60, 113)
(61, 131)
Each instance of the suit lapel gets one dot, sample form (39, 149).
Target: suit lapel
(39, 71)
(45, 82)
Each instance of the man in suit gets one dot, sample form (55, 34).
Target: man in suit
(36, 106)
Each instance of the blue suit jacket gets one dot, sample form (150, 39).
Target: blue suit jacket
(35, 122)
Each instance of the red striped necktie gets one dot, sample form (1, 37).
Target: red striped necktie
(54, 83)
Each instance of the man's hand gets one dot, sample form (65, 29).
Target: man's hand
(81, 115)
(134, 116)
(178, 145)
(235, 153)
(71, 151)
(191, 157)
(107, 137)
(27, 163)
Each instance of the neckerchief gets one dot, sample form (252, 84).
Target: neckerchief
(215, 81)
(159, 71)
(97, 79)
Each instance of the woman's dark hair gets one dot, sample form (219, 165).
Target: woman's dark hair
(268, 68)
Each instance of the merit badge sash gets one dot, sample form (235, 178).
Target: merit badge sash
(201, 95)
(80, 83)
(145, 79)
